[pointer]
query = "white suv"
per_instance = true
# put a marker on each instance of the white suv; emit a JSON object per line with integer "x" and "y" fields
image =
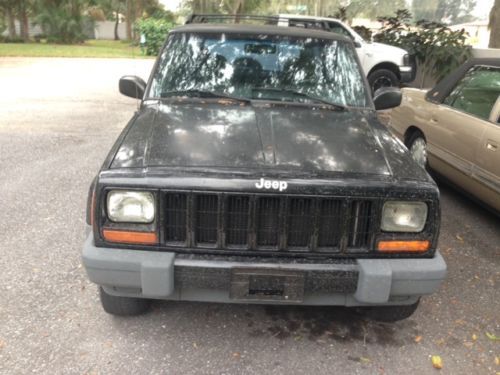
{"x": 384, "y": 65}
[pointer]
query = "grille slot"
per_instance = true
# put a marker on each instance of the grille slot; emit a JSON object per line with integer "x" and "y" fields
{"x": 206, "y": 219}
{"x": 300, "y": 222}
{"x": 359, "y": 224}
{"x": 258, "y": 222}
{"x": 330, "y": 224}
{"x": 267, "y": 218}
{"x": 176, "y": 217}
{"x": 237, "y": 220}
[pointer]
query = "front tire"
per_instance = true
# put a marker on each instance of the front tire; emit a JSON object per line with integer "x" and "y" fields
{"x": 123, "y": 306}
{"x": 389, "y": 314}
{"x": 382, "y": 78}
{"x": 417, "y": 145}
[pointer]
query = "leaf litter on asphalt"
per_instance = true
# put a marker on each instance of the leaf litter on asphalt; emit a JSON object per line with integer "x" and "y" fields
{"x": 437, "y": 362}
{"x": 492, "y": 337}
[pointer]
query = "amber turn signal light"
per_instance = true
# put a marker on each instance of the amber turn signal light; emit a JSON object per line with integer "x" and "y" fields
{"x": 145, "y": 238}
{"x": 403, "y": 246}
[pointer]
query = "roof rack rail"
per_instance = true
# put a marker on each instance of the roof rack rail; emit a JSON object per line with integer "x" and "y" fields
{"x": 206, "y": 18}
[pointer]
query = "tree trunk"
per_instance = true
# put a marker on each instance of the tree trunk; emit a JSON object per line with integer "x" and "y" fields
{"x": 238, "y": 8}
{"x": 117, "y": 19}
{"x": 139, "y": 9}
{"x": 24, "y": 22}
{"x": 130, "y": 19}
{"x": 11, "y": 20}
{"x": 494, "y": 25}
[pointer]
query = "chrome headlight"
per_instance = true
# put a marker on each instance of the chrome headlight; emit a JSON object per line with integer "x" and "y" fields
{"x": 401, "y": 216}
{"x": 131, "y": 206}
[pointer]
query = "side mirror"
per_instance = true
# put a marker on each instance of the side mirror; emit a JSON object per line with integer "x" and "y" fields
{"x": 387, "y": 97}
{"x": 132, "y": 86}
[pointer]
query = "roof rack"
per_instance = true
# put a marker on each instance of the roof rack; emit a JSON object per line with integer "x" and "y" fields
{"x": 206, "y": 18}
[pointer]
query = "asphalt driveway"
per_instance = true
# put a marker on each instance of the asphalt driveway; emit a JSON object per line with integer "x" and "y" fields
{"x": 58, "y": 119}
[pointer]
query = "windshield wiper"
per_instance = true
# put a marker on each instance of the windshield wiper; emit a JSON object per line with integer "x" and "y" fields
{"x": 201, "y": 94}
{"x": 302, "y": 95}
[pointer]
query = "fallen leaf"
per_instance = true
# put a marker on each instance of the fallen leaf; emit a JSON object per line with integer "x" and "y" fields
{"x": 474, "y": 337}
{"x": 437, "y": 362}
{"x": 497, "y": 361}
{"x": 468, "y": 344}
{"x": 418, "y": 339}
{"x": 491, "y": 336}
{"x": 2, "y": 344}
{"x": 236, "y": 355}
{"x": 365, "y": 359}
{"x": 440, "y": 342}
{"x": 297, "y": 338}
{"x": 459, "y": 238}
{"x": 195, "y": 345}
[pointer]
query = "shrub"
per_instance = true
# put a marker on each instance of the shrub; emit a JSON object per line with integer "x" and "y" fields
{"x": 8, "y": 39}
{"x": 61, "y": 24}
{"x": 437, "y": 49}
{"x": 364, "y": 31}
{"x": 154, "y": 32}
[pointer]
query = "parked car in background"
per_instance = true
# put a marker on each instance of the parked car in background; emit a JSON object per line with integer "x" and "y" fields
{"x": 454, "y": 130}
{"x": 384, "y": 65}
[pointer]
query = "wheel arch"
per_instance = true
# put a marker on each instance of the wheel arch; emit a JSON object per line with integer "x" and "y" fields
{"x": 412, "y": 129}
{"x": 386, "y": 65}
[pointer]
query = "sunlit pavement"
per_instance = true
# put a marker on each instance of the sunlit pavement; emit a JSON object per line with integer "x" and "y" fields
{"x": 58, "y": 119}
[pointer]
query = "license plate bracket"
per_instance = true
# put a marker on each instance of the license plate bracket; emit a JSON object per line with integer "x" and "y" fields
{"x": 260, "y": 284}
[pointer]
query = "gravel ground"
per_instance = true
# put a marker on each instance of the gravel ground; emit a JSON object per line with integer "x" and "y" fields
{"x": 58, "y": 119}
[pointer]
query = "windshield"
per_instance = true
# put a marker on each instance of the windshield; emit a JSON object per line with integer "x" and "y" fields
{"x": 267, "y": 67}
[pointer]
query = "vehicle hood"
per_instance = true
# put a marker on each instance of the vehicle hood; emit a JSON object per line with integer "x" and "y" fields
{"x": 277, "y": 137}
{"x": 386, "y": 49}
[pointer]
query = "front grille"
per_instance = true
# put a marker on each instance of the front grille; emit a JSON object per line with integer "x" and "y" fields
{"x": 206, "y": 219}
{"x": 261, "y": 223}
{"x": 237, "y": 220}
{"x": 176, "y": 217}
{"x": 267, "y": 221}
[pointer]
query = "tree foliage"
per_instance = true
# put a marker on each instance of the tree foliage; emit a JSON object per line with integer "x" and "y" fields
{"x": 446, "y": 11}
{"x": 10, "y": 10}
{"x": 62, "y": 20}
{"x": 350, "y": 8}
{"x": 437, "y": 48}
{"x": 494, "y": 25}
{"x": 154, "y": 31}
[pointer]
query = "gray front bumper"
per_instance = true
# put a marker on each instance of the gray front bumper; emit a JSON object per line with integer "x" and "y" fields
{"x": 149, "y": 274}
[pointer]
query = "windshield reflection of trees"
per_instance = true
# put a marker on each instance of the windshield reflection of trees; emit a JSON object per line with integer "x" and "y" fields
{"x": 237, "y": 64}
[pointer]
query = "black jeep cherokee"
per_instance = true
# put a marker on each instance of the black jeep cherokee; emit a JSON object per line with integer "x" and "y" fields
{"x": 256, "y": 171}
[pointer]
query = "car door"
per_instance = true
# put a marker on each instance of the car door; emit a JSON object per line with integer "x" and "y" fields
{"x": 487, "y": 165}
{"x": 457, "y": 125}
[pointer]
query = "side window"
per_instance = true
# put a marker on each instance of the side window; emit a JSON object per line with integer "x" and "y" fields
{"x": 477, "y": 92}
{"x": 306, "y": 24}
{"x": 339, "y": 29}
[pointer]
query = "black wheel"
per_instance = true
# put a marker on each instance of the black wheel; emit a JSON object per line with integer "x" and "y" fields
{"x": 382, "y": 78}
{"x": 417, "y": 145}
{"x": 123, "y": 306}
{"x": 389, "y": 313}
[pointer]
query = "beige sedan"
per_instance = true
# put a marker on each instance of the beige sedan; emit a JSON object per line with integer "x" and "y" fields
{"x": 454, "y": 130}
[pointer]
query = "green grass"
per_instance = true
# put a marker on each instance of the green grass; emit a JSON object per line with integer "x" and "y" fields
{"x": 91, "y": 48}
